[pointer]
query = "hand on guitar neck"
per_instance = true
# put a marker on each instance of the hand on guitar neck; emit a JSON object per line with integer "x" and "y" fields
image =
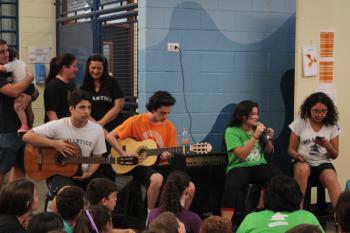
{"x": 166, "y": 155}
{"x": 132, "y": 154}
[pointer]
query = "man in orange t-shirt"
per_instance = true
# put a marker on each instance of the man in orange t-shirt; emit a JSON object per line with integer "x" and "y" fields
{"x": 155, "y": 125}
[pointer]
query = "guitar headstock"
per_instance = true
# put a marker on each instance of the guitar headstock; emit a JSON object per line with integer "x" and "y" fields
{"x": 201, "y": 148}
{"x": 127, "y": 160}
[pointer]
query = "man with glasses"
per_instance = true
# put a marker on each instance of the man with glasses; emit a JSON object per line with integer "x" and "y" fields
{"x": 11, "y": 145}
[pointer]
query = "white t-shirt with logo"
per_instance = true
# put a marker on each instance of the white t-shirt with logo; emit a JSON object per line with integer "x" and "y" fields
{"x": 90, "y": 138}
{"x": 314, "y": 154}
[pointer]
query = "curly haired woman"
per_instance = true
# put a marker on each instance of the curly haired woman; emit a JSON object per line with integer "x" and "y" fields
{"x": 172, "y": 199}
{"x": 314, "y": 141}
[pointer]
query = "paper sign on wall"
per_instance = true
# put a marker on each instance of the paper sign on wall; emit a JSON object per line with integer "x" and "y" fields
{"x": 310, "y": 60}
{"x": 39, "y": 55}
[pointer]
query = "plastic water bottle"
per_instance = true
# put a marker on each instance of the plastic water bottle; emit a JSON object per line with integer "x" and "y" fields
{"x": 185, "y": 141}
{"x": 185, "y": 138}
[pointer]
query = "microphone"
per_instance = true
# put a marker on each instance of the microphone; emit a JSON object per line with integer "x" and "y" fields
{"x": 264, "y": 136}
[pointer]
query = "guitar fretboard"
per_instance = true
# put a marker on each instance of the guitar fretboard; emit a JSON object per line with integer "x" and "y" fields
{"x": 80, "y": 159}
{"x": 179, "y": 149}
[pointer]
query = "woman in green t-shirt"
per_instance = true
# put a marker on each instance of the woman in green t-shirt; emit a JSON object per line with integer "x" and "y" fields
{"x": 246, "y": 141}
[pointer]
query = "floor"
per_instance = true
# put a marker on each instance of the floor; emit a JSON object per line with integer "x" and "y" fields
{"x": 42, "y": 190}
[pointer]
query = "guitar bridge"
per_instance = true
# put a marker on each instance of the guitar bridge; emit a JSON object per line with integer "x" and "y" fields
{"x": 39, "y": 160}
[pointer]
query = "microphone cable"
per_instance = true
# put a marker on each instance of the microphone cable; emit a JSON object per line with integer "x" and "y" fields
{"x": 184, "y": 95}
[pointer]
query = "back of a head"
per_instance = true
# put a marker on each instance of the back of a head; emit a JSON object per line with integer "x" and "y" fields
{"x": 342, "y": 211}
{"x": 45, "y": 222}
{"x": 98, "y": 189}
{"x": 53, "y": 70}
{"x": 16, "y": 197}
{"x": 282, "y": 194}
{"x": 159, "y": 99}
{"x": 94, "y": 219}
{"x": 70, "y": 201}
{"x": 216, "y": 224}
{"x": 166, "y": 222}
{"x": 305, "y": 228}
{"x": 13, "y": 54}
{"x": 173, "y": 189}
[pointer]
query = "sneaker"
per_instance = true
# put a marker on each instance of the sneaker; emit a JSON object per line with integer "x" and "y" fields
{"x": 23, "y": 129}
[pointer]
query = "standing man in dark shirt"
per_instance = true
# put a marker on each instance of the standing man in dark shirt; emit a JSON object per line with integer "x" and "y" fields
{"x": 11, "y": 144}
{"x": 58, "y": 89}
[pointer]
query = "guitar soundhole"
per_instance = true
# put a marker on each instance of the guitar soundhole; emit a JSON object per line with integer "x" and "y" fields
{"x": 60, "y": 160}
{"x": 142, "y": 153}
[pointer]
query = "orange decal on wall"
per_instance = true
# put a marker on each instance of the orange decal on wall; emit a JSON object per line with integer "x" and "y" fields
{"x": 326, "y": 64}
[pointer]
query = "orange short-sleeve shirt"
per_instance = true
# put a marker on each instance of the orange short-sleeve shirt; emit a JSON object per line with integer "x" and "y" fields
{"x": 140, "y": 127}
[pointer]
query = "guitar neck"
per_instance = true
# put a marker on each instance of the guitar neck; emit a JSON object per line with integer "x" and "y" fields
{"x": 89, "y": 160}
{"x": 179, "y": 149}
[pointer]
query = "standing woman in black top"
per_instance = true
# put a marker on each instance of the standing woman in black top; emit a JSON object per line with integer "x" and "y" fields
{"x": 59, "y": 86}
{"x": 53, "y": 69}
{"x": 107, "y": 97}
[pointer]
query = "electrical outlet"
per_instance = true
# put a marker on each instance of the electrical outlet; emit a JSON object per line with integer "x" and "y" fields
{"x": 173, "y": 47}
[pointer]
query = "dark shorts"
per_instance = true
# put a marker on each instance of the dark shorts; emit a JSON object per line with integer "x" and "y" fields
{"x": 56, "y": 182}
{"x": 237, "y": 180}
{"x": 11, "y": 152}
{"x": 316, "y": 171}
{"x": 143, "y": 174}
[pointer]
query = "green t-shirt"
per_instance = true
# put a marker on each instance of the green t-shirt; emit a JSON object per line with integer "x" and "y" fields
{"x": 68, "y": 228}
{"x": 276, "y": 222}
{"x": 236, "y": 137}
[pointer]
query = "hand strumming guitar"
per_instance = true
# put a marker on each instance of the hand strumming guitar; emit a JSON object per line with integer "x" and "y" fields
{"x": 65, "y": 147}
{"x": 133, "y": 154}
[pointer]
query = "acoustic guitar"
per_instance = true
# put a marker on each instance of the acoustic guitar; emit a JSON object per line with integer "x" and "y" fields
{"x": 148, "y": 151}
{"x": 42, "y": 162}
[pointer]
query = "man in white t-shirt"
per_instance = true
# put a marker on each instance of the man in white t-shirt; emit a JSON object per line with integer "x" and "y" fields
{"x": 61, "y": 134}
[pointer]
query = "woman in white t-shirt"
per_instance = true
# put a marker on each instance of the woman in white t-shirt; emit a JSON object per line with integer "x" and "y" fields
{"x": 314, "y": 141}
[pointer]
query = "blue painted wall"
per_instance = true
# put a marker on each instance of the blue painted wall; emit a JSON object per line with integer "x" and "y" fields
{"x": 232, "y": 50}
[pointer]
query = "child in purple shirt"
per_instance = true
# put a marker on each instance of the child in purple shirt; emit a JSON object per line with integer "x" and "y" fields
{"x": 172, "y": 199}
